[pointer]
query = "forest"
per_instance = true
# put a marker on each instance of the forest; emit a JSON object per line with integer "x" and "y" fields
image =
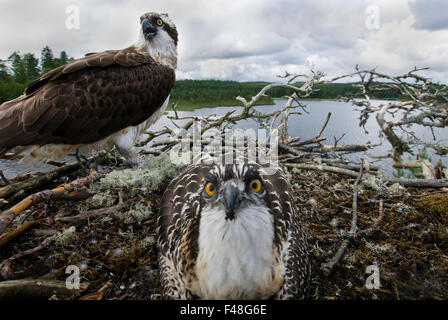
{"x": 18, "y": 70}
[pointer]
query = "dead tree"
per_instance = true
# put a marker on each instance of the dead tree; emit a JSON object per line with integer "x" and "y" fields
{"x": 421, "y": 103}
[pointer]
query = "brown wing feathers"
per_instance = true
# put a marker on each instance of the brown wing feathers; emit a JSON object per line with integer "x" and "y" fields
{"x": 86, "y": 100}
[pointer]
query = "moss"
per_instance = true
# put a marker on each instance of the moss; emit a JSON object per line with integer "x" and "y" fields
{"x": 434, "y": 204}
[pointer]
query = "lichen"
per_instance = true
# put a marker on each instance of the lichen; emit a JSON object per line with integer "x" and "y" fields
{"x": 138, "y": 213}
{"x": 66, "y": 237}
{"x": 103, "y": 199}
{"x": 147, "y": 242}
{"x": 377, "y": 248}
{"x": 147, "y": 177}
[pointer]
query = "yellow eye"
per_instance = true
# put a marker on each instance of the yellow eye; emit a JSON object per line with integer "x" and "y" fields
{"x": 159, "y": 22}
{"x": 210, "y": 188}
{"x": 255, "y": 185}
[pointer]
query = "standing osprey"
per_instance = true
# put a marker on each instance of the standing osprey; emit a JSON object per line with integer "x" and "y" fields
{"x": 231, "y": 232}
{"x": 104, "y": 99}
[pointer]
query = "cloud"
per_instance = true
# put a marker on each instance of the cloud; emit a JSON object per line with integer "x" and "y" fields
{"x": 245, "y": 39}
{"x": 430, "y": 15}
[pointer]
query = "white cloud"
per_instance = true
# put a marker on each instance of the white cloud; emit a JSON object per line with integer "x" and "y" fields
{"x": 245, "y": 39}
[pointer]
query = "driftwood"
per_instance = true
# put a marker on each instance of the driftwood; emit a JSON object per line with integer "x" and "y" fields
{"x": 38, "y": 289}
{"x": 6, "y": 217}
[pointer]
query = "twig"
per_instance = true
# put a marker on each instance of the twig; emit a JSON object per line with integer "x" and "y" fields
{"x": 328, "y": 267}
{"x": 3, "y": 178}
{"x": 21, "y": 254}
{"x": 6, "y": 217}
{"x": 36, "y": 182}
{"x": 418, "y": 183}
{"x": 7, "y": 237}
{"x": 378, "y": 220}
{"x": 82, "y": 218}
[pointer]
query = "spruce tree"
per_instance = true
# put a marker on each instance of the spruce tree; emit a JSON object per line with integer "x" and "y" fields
{"x": 47, "y": 62}
{"x": 18, "y": 67}
{"x": 31, "y": 64}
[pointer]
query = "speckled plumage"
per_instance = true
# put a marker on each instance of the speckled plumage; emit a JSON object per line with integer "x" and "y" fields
{"x": 188, "y": 264}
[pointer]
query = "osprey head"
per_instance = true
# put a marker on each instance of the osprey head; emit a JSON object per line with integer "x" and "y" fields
{"x": 159, "y": 37}
{"x": 232, "y": 189}
{"x": 156, "y": 26}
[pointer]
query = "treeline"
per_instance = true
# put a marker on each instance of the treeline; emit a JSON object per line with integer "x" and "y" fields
{"x": 20, "y": 69}
{"x": 199, "y": 93}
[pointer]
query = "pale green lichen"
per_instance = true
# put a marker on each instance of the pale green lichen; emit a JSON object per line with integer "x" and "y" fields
{"x": 396, "y": 189}
{"x": 147, "y": 242}
{"x": 66, "y": 237}
{"x": 138, "y": 213}
{"x": 375, "y": 183}
{"x": 103, "y": 199}
{"x": 149, "y": 176}
{"x": 377, "y": 248}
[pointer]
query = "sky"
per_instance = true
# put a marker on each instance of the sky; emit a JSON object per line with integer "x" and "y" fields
{"x": 245, "y": 40}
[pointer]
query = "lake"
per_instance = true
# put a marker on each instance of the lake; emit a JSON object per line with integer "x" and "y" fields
{"x": 344, "y": 119}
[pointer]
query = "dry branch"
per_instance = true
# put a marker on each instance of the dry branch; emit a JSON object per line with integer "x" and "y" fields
{"x": 418, "y": 183}
{"x": 328, "y": 266}
{"x": 39, "y": 181}
{"x": 7, "y": 237}
{"x": 84, "y": 217}
{"x": 21, "y": 254}
{"x": 6, "y": 217}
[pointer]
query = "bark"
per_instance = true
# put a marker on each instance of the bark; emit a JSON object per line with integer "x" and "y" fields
{"x": 38, "y": 289}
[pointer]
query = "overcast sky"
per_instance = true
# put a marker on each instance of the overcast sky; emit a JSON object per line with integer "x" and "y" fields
{"x": 247, "y": 39}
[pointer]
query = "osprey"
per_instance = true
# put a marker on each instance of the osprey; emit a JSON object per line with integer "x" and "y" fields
{"x": 104, "y": 99}
{"x": 232, "y": 232}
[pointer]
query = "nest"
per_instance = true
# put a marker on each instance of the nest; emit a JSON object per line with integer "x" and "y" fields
{"x": 110, "y": 236}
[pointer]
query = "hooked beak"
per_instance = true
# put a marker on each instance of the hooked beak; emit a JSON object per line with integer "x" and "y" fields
{"x": 230, "y": 199}
{"x": 149, "y": 30}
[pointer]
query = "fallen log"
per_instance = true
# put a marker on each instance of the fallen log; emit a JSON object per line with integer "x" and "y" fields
{"x": 38, "y": 289}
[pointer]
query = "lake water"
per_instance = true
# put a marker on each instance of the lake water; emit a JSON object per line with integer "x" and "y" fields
{"x": 344, "y": 120}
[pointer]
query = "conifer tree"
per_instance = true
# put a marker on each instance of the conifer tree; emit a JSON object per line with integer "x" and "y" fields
{"x": 18, "y": 67}
{"x": 47, "y": 62}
